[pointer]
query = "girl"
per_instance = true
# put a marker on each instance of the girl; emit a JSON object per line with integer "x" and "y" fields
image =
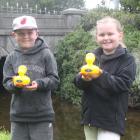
{"x": 105, "y": 97}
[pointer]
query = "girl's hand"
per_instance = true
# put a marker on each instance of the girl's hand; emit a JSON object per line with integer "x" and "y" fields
{"x": 86, "y": 77}
{"x": 89, "y": 77}
{"x": 94, "y": 76}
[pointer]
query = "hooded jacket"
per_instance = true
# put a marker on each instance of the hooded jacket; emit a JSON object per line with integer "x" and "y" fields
{"x": 105, "y": 99}
{"x": 32, "y": 106}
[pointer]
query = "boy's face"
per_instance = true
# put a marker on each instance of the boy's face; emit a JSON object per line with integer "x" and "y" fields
{"x": 25, "y": 37}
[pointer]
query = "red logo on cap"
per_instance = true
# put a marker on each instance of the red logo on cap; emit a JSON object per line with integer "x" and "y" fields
{"x": 23, "y": 21}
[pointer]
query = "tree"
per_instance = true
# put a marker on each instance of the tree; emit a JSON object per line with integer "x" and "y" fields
{"x": 130, "y": 5}
{"x": 50, "y": 5}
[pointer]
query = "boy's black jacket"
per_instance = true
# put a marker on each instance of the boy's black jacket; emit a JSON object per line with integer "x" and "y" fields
{"x": 105, "y": 99}
{"x": 32, "y": 106}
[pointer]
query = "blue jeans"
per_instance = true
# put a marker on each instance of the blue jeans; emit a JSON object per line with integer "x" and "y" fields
{"x": 31, "y": 131}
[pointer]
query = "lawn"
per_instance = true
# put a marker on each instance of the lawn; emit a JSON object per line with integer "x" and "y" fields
{"x": 4, "y": 135}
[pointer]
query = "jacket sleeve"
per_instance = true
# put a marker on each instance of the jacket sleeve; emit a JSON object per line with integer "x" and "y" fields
{"x": 8, "y": 74}
{"x": 51, "y": 81}
{"x": 120, "y": 82}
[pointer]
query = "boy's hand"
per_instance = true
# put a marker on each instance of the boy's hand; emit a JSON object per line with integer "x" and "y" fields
{"x": 33, "y": 86}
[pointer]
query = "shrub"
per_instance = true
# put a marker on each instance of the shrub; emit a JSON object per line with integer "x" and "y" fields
{"x": 132, "y": 37}
{"x": 70, "y": 57}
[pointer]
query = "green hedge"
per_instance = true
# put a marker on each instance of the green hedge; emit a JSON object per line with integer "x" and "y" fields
{"x": 70, "y": 56}
{"x": 70, "y": 51}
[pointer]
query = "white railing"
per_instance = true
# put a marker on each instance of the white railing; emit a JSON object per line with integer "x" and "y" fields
{"x": 26, "y": 9}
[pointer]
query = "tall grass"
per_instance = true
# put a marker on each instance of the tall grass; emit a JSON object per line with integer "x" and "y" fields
{"x": 4, "y": 135}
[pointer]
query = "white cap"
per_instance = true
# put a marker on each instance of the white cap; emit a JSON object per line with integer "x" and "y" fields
{"x": 24, "y": 22}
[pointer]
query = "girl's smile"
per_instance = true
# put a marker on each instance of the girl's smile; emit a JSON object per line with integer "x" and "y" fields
{"x": 108, "y": 37}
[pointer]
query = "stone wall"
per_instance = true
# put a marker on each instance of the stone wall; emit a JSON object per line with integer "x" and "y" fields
{"x": 51, "y": 27}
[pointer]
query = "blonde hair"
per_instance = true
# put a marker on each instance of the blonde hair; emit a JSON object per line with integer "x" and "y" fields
{"x": 113, "y": 20}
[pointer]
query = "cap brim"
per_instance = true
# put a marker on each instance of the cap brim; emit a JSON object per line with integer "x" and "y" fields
{"x": 26, "y": 27}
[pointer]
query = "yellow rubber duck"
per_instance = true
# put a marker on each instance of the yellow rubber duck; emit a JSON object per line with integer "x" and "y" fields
{"x": 90, "y": 68}
{"x": 22, "y": 79}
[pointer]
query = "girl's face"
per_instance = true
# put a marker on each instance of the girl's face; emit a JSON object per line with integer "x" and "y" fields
{"x": 108, "y": 37}
{"x": 26, "y": 37}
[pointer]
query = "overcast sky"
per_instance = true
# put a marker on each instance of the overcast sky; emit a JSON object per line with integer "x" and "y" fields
{"x": 91, "y": 3}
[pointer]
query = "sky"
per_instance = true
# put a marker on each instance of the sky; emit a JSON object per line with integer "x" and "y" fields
{"x": 90, "y": 4}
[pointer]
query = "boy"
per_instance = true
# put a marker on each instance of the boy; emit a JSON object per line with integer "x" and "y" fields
{"x": 31, "y": 111}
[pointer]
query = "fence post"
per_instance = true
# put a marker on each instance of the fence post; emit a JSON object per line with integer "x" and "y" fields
{"x": 73, "y": 16}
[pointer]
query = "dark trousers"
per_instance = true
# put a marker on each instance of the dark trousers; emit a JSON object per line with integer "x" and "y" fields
{"x": 31, "y": 131}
